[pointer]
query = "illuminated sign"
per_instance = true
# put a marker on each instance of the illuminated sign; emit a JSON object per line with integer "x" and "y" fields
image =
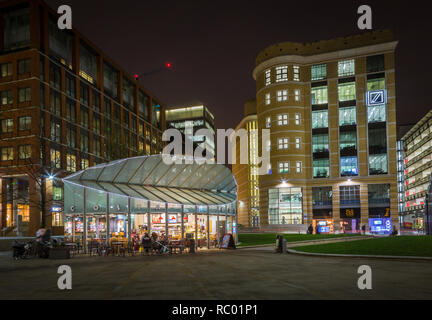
{"x": 376, "y": 97}
{"x": 56, "y": 209}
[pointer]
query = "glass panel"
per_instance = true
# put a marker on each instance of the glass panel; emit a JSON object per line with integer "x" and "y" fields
{"x": 195, "y": 180}
{"x": 347, "y": 91}
{"x": 190, "y": 198}
{"x": 319, "y": 95}
{"x": 129, "y": 169}
{"x": 347, "y": 116}
{"x": 171, "y": 174}
{"x": 150, "y": 164}
{"x": 321, "y": 168}
{"x": 319, "y": 119}
{"x": 160, "y": 195}
{"x": 145, "y": 193}
{"x": 174, "y": 195}
{"x": 377, "y": 113}
{"x": 348, "y": 166}
{"x": 198, "y": 196}
{"x": 156, "y": 173}
{"x": 75, "y": 198}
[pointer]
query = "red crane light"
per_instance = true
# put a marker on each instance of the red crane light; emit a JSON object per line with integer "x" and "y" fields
{"x": 136, "y": 77}
{"x": 168, "y": 65}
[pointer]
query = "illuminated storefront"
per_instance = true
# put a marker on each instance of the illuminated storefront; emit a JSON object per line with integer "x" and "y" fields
{"x": 133, "y": 196}
{"x": 285, "y": 206}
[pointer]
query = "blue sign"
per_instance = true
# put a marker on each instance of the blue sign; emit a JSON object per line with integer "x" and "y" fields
{"x": 324, "y": 229}
{"x": 376, "y": 97}
{"x": 380, "y": 225}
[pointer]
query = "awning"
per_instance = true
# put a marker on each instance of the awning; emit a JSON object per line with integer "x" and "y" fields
{"x": 150, "y": 178}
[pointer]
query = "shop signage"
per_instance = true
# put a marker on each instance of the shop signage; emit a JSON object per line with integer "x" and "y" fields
{"x": 56, "y": 209}
{"x": 228, "y": 242}
{"x": 376, "y": 97}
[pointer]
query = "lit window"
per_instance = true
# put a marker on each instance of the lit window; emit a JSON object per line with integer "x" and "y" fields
{"x": 319, "y": 95}
{"x": 281, "y": 74}
{"x": 297, "y": 143}
{"x": 347, "y": 116}
{"x": 24, "y": 94}
{"x": 346, "y": 68}
{"x": 320, "y": 119}
{"x": 298, "y": 166}
{"x": 55, "y": 159}
{"x": 268, "y": 77}
{"x": 6, "y": 97}
{"x": 282, "y": 120}
{"x": 296, "y": 73}
{"x": 57, "y": 193}
{"x": 376, "y": 84}
{"x": 70, "y": 163}
{"x": 348, "y": 166}
{"x": 84, "y": 164}
{"x": 319, "y": 72}
{"x": 297, "y": 94}
{"x": 267, "y": 98}
{"x": 24, "y": 152}
{"x": 377, "y": 113}
{"x": 5, "y": 69}
{"x": 347, "y": 91}
{"x": 297, "y": 119}
{"x": 283, "y": 143}
{"x": 24, "y": 123}
{"x": 6, "y": 153}
{"x": 282, "y": 95}
{"x": 284, "y": 167}
{"x": 268, "y": 122}
{"x": 7, "y": 126}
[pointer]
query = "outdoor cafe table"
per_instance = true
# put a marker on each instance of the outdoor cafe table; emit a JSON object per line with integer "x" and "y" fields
{"x": 116, "y": 246}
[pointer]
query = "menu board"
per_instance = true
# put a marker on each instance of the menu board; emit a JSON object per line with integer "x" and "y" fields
{"x": 227, "y": 242}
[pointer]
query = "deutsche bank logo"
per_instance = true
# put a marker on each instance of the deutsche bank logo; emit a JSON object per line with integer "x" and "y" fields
{"x": 376, "y": 97}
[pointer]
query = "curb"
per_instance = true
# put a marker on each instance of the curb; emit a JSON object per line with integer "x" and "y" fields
{"x": 340, "y": 239}
{"x": 358, "y": 256}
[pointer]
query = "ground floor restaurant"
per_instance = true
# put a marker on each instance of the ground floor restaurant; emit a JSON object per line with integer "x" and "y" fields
{"x": 129, "y": 198}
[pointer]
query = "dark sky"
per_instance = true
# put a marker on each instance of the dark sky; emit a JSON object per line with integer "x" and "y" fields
{"x": 213, "y": 44}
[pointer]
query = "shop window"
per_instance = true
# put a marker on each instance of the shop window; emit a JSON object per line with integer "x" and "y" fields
{"x": 319, "y": 95}
{"x": 346, "y": 68}
{"x": 347, "y": 116}
{"x": 319, "y": 119}
{"x": 285, "y": 206}
{"x": 347, "y": 91}
{"x": 319, "y": 72}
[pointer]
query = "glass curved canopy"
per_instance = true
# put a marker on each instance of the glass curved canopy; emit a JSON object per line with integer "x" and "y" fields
{"x": 150, "y": 178}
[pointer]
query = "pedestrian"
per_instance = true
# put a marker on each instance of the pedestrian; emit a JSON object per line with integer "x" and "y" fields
{"x": 310, "y": 229}
{"x": 146, "y": 243}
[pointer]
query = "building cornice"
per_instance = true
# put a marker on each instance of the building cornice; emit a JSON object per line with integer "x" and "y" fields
{"x": 334, "y": 55}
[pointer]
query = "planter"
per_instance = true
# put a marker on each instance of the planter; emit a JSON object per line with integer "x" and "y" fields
{"x": 59, "y": 253}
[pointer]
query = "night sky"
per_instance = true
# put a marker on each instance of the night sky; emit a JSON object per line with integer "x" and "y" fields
{"x": 213, "y": 44}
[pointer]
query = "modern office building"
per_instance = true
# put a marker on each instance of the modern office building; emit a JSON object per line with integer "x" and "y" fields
{"x": 417, "y": 145}
{"x": 247, "y": 174}
{"x": 189, "y": 120}
{"x": 65, "y": 106}
{"x": 331, "y": 109}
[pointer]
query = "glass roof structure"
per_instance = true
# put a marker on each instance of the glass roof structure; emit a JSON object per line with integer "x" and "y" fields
{"x": 150, "y": 178}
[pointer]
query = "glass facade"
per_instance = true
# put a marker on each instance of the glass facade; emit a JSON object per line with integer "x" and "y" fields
{"x": 319, "y": 95}
{"x": 285, "y": 206}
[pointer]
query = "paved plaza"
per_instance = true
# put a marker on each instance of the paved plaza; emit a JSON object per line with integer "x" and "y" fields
{"x": 223, "y": 275}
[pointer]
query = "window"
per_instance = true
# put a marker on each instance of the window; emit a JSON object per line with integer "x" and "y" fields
{"x": 70, "y": 163}
{"x": 349, "y": 195}
{"x": 143, "y": 103}
{"x": 378, "y": 164}
{"x": 346, "y": 68}
{"x": 297, "y": 143}
{"x": 347, "y": 116}
{"x": 267, "y": 77}
{"x": 55, "y": 102}
{"x": 348, "y": 141}
{"x": 282, "y": 95}
{"x": 282, "y": 120}
{"x": 23, "y": 66}
{"x": 319, "y": 119}
{"x": 55, "y": 76}
{"x": 378, "y": 194}
{"x": 55, "y": 156}
{"x": 70, "y": 85}
{"x": 110, "y": 80}
{"x": 347, "y": 91}
{"x": 348, "y": 166}
{"x": 70, "y": 110}
{"x": 284, "y": 167}
{"x": 268, "y": 122}
{"x": 321, "y": 168}
{"x": 7, "y": 125}
{"x": 375, "y": 63}
{"x": 88, "y": 63}
{"x": 84, "y": 142}
{"x": 24, "y": 123}
{"x": 377, "y": 140}
{"x": 282, "y": 74}
{"x": 96, "y": 124}
{"x": 6, "y": 97}
{"x": 84, "y": 117}
{"x": 84, "y": 163}
{"x": 296, "y": 70}
{"x": 84, "y": 93}
{"x": 128, "y": 93}
{"x": 319, "y": 72}
{"x": 298, "y": 166}
{"x": 320, "y": 143}
{"x": 57, "y": 193}
{"x": 297, "y": 119}
{"x": 377, "y": 113}
{"x": 24, "y": 94}
{"x": 376, "y": 84}
{"x": 319, "y": 95}
{"x": 71, "y": 137}
{"x": 96, "y": 101}
{"x": 283, "y": 143}
{"x": 42, "y": 96}
{"x": 297, "y": 94}
{"x": 5, "y": 69}
{"x": 55, "y": 131}
{"x": 16, "y": 25}
{"x": 97, "y": 146}
{"x": 267, "y": 99}
{"x": 60, "y": 43}
{"x": 24, "y": 152}
{"x": 6, "y": 153}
